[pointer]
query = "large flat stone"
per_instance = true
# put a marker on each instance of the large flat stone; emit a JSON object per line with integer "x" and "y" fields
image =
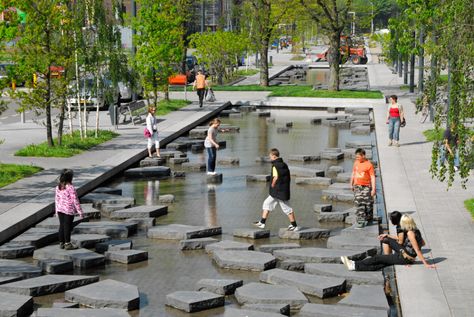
{"x": 368, "y": 296}
{"x": 194, "y": 166}
{"x": 80, "y": 312}
{"x": 12, "y": 305}
{"x": 251, "y": 233}
{"x": 219, "y": 286}
{"x": 322, "y": 207}
{"x": 9, "y": 279}
{"x": 146, "y": 172}
{"x": 353, "y": 241}
{"x": 333, "y": 216}
{"x": 229, "y": 245}
{"x": 113, "y": 245}
{"x": 90, "y": 212}
{"x": 338, "y": 195}
{"x": 80, "y": 257}
{"x": 182, "y": 232}
{"x": 303, "y": 158}
{"x": 152, "y": 161}
{"x": 270, "y": 248}
{"x": 319, "y": 181}
{"x": 358, "y": 144}
{"x": 304, "y": 233}
{"x": 191, "y": 301}
{"x": 170, "y": 153}
{"x": 37, "y": 237}
{"x": 53, "y": 222}
{"x": 88, "y": 240}
{"x": 99, "y": 199}
{"x": 106, "y": 209}
{"x": 371, "y": 231}
{"x": 215, "y": 178}
{"x": 126, "y": 256}
{"x": 339, "y": 270}
{"x": 166, "y": 199}
{"x": 108, "y": 190}
{"x": 110, "y": 228}
{"x": 56, "y": 266}
{"x": 118, "y": 295}
{"x": 196, "y": 244}
{"x": 319, "y": 255}
{"x": 47, "y": 284}
{"x": 178, "y": 160}
{"x": 235, "y": 312}
{"x": 258, "y": 178}
{"x": 360, "y": 130}
{"x": 320, "y": 286}
{"x": 13, "y": 250}
{"x": 65, "y": 305}
{"x": 333, "y": 171}
{"x": 142, "y": 223}
{"x": 18, "y": 268}
{"x": 140, "y": 212}
{"x": 305, "y": 171}
{"x": 291, "y": 265}
{"x": 259, "y": 293}
{"x": 322, "y": 310}
{"x": 331, "y": 155}
{"x": 244, "y": 260}
{"x": 343, "y": 177}
{"x": 282, "y": 309}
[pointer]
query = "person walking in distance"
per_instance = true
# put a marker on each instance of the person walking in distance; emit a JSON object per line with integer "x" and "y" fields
{"x": 153, "y": 132}
{"x": 395, "y": 117}
{"x": 211, "y": 145}
{"x": 279, "y": 192}
{"x": 363, "y": 186}
{"x": 200, "y": 84}
{"x": 449, "y": 145}
{"x": 66, "y": 205}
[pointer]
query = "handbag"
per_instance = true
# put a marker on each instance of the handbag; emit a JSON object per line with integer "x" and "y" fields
{"x": 146, "y": 133}
{"x": 210, "y": 95}
{"x": 403, "y": 123}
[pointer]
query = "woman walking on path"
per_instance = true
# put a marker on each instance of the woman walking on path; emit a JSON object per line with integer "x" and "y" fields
{"x": 200, "y": 84}
{"x": 395, "y": 117}
{"x": 66, "y": 205}
{"x": 211, "y": 145}
{"x": 152, "y": 132}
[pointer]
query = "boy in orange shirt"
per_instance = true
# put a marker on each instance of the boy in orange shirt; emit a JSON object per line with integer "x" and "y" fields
{"x": 363, "y": 186}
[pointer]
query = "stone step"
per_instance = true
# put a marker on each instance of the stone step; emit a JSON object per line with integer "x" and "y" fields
{"x": 324, "y": 310}
{"x": 110, "y": 228}
{"x": 330, "y": 155}
{"x": 244, "y": 260}
{"x": 333, "y": 216}
{"x": 322, "y": 208}
{"x": 359, "y": 144}
{"x": 320, "y": 181}
{"x": 333, "y": 171}
{"x": 11, "y": 250}
{"x": 196, "y": 244}
{"x": 338, "y": 195}
{"x": 166, "y": 199}
{"x": 88, "y": 241}
{"x": 90, "y": 212}
{"x": 82, "y": 258}
{"x": 178, "y": 160}
{"x": 219, "y": 286}
{"x": 98, "y": 199}
{"x": 192, "y": 301}
{"x": 291, "y": 265}
{"x": 194, "y": 166}
{"x": 152, "y": 161}
{"x": 371, "y": 231}
{"x": 282, "y": 309}
{"x": 305, "y": 171}
{"x": 367, "y": 296}
{"x": 243, "y": 312}
{"x": 320, "y": 255}
{"x": 259, "y": 293}
{"x": 147, "y": 172}
{"x": 303, "y": 158}
{"x": 126, "y": 256}
{"x": 228, "y": 160}
{"x": 65, "y": 305}
{"x": 182, "y": 232}
{"x": 166, "y": 154}
{"x": 37, "y": 237}
{"x": 47, "y": 284}
{"x": 18, "y": 268}
{"x": 140, "y": 212}
{"x": 251, "y": 233}
{"x": 106, "y": 209}
{"x": 215, "y": 178}
{"x": 15, "y": 305}
{"x": 118, "y": 295}
{"x": 304, "y": 233}
{"x": 270, "y": 248}
{"x": 360, "y": 130}
{"x": 56, "y": 266}
{"x": 113, "y": 245}
{"x": 339, "y": 270}
{"x": 343, "y": 177}
{"x": 80, "y": 312}
{"x": 108, "y": 190}
{"x": 9, "y": 279}
{"x": 53, "y": 222}
{"x": 228, "y": 245}
{"x": 142, "y": 223}
{"x": 353, "y": 241}
{"x": 258, "y": 178}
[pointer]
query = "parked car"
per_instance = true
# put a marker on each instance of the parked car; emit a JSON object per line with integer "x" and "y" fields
{"x": 89, "y": 95}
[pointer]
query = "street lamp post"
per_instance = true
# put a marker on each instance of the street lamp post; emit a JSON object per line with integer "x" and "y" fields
{"x": 353, "y": 22}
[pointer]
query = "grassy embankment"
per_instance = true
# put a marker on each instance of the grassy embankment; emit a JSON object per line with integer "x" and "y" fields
{"x": 10, "y": 173}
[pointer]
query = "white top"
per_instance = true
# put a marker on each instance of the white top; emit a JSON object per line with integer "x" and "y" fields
{"x": 151, "y": 123}
{"x": 213, "y": 133}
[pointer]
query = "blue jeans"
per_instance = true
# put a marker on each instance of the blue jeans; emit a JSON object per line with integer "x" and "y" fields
{"x": 442, "y": 156}
{"x": 393, "y": 128}
{"x": 211, "y": 158}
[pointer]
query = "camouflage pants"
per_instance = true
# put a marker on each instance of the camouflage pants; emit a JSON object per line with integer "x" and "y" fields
{"x": 364, "y": 203}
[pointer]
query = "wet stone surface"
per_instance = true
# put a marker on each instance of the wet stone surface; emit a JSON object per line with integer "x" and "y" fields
{"x": 106, "y": 209}
{"x": 291, "y": 265}
{"x": 244, "y": 260}
{"x": 311, "y": 310}
{"x": 143, "y": 172}
{"x": 319, "y": 255}
{"x": 196, "y": 244}
{"x": 80, "y": 312}
{"x": 15, "y": 305}
{"x": 339, "y": 270}
{"x": 282, "y": 309}
{"x": 191, "y": 301}
{"x": 126, "y": 256}
{"x": 251, "y": 233}
{"x": 37, "y": 237}
{"x": 304, "y": 233}
{"x": 113, "y": 245}
{"x": 13, "y": 250}
{"x": 194, "y": 166}
{"x": 152, "y": 161}
{"x": 219, "y": 286}
{"x": 214, "y": 179}
{"x": 9, "y": 279}
{"x": 333, "y": 216}
{"x": 56, "y": 266}
{"x": 90, "y": 212}
{"x": 270, "y": 248}
{"x": 65, "y": 305}
{"x": 368, "y": 296}
{"x": 109, "y": 228}
{"x": 249, "y": 312}
{"x": 80, "y": 257}
{"x": 18, "y": 268}
{"x": 142, "y": 223}
{"x": 98, "y": 199}
{"x": 182, "y": 232}
{"x": 140, "y": 212}
{"x": 88, "y": 240}
{"x": 228, "y": 245}
{"x": 53, "y": 223}
{"x": 166, "y": 199}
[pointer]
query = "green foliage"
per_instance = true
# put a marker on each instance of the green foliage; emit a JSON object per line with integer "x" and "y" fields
{"x": 166, "y": 106}
{"x": 10, "y": 173}
{"x": 433, "y": 135}
{"x": 72, "y": 145}
{"x": 248, "y": 72}
{"x": 469, "y": 204}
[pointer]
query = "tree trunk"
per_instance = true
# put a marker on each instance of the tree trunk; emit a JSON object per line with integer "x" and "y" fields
{"x": 61, "y": 121}
{"x": 412, "y": 73}
{"x": 400, "y": 65}
{"x": 421, "y": 62}
{"x": 264, "y": 78}
{"x": 334, "y": 57}
{"x": 405, "y": 70}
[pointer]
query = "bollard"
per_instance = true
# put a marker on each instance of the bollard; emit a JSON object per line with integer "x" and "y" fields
{"x": 271, "y": 60}
{"x": 22, "y": 117}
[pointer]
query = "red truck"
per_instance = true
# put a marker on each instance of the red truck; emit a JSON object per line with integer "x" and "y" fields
{"x": 356, "y": 54}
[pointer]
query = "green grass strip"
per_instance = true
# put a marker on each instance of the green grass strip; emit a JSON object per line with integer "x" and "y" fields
{"x": 71, "y": 146}
{"x": 470, "y": 206}
{"x": 165, "y": 107}
{"x": 10, "y": 173}
{"x": 248, "y": 72}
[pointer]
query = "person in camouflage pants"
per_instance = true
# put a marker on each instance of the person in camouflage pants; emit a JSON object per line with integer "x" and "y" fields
{"x": 364, "y": 203}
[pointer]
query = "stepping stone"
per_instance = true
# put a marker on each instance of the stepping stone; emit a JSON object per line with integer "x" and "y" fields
{"x": 37, "y": 237}
{"x": 140, "y": 212}
{"x": 330, "y": 155}
{"x": 339, "y": 270}
{"x": 289, "y": 124}
{"x": 82, "y": 258}
{"x": 166, "y": 154}
{"x": 147, "y": 172}
{"x": 333, "y": 216}
{"x": 270, "y": 248}
{"x": 18, "y": 268}
{"x": 303, "y": 158}
{"x": 182, "y": 232}
{"x": 281, "y": 309}
{"x": 341, "y": 124}
{"x": 106, "y": 209}
{"x": 324, "y": 310}
{"x": 88, "y": 240}
{"x": 15, "y": 305}
{"x": 360, "y": 130}
{"x": 118, "y": 295}
{"x": 234, "y": 312}
{"x": 337, "y": 195}
{"x": 109, "y": 228}
{"x": 65, "y": 305}
{"x": 177, "y": 146}
{"x": 358, "y": 144}
{"x": 53, "y": 222}
{"x": 194, "y": 166}
{"x": 305, "y": 172}
{"x": 251, "y": 233}
{"x": 367, "y": 296}
{"x": 353, "y": 241}
{"x": 219, "y": 286}
{"x": 98, "y": 199}
{"x": 196, "y": 148}
{"x": 228, "y": 161}
{"x": 113, "y": 245}
{"x": 244, "y": 260}
{"x": 191, "y": 301}
{"x": 360, "y": 111}
{"x": 126, "y": 256}
{"x": 263, "y": 159}
{"x": 47, "y": 284}
{"x": 178, "y": 160}
{"x": 304, "y": 233}
{"x": 343, "y": 177}
{"x": 56, "y": 266}
{"x": 371, "y": 231}
{"x": 108, "y": 190}
{"x": 80, "y": 312}
{"x": 320, "y": 181}
{"x": 90, "y": 212}
{"x": 166, "y": 199}
{"x": 259, "y": 293}
{"x": 341, "y": 186}
{"x": 263, "y": 113}
{"x": 333, "y": 171}
{"x": 11, "y": 250}
{"x": 322, "y": 208}
{"x": 283, "y": 130}
{"x": 316, "y": 121}
{"x": 258, "y": 178}
{"x": 196, "y": 244}
{"x": 319, "y": 255}
{"x": 214, "y": 179}
{"x": 228, "y": 245}
{"x": 320, "y": 286}
{"x": 142, "y": 223}
{"x": 198, "y": 133}
{"x": 291, "y": 265}
{"x": 152, "y": 161}
{"x": 178, "y": 174}
{"x": 9, "y": 279}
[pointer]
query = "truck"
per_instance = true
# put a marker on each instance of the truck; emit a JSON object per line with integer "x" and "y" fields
{"x": 354, "y": 53}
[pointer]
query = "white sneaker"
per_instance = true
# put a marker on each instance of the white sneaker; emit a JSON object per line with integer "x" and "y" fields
{"x": 293, "y": 228}
{"x": 395, "y": 143}
{"x": 456, "y": 168}
{"x": 259, "y": 224}
{"x": 390, "y": 143}
{"x": 350, "y": 265}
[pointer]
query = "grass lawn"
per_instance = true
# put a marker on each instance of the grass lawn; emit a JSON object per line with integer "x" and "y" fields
{"x": 470, "y": 206}
{"x": 71, "y": 146}
{"x": 10, "y": 173}
{"x": 248, "y": 72}
{"x": 165, "y": 107}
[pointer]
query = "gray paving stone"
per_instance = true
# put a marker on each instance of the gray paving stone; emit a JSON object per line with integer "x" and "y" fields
{"x": 142, "y": 223}
{"x": 9, "y": 279}
{"x": 37, "y": 237}
{"x": 228, "y": 245}
{"x": 333, "y": 216}
{"x": 118, "y": 295}
{"x": 282, "y": 309}
{"x": 251, "y": 233}
{"x": 235, "y": 115}
{"x": 321, "y": 181}
{"x": 258, "y": 178}
{"x": 226, "y": 160}
{"x": 283, "y": 130}
{"x": 178, "y": 160}
{"x": 263, "y": 159}
{"x": 324, "y": 310}
{"x": 333, "y": 171}
{"x": 219, "y": 286}
{"x": 53, "y": 222}
{"x": 330, "y": 155}
{"x": 341, "y": 186}
{"x": 196, "y": 148}
{"x": 152, "y": 161}
{"x": 291, "y": 265}
{"x": 178, "y": 174}
{"x": 90, "y": 212}
{"x": 82, "y": 258}
{"x": 320, "y": 286}
{"x": 47, "y": 284}
{"x": 198, "y": 133}
{"x": 304, "y": 233}
{"x": 110, "y": 228}
{"x": 65, "y": 305}
{"x": 18, "y": 268}
{"x": 259, "y": 293}
{"x": 270, "y": 248}
{"x": 113, "y": 245}
{"x": 12, "y": 305}
{"x": 106, "y": 209}
{"x": 369, "y": 296}
{"x": 166, "y": 199}
{"x": 360, "y": 130}
{"x": 244, "y": 260}
{"x": 305, "y": 171}
{"x": 316, "y": 121}
{"x": 182, "y": 232}
{"x": 371, "y": 231}
{"x": 191, "y": 301}
{"x": 339, "y": 270}
{"x": 13, "y": 250}
{"x": 98, "y": 199}
{"x": 170, "y": 153}
{"x": 214, "y": 179}
{"x": 80, "y": 312}
{"x": 177, "y": 146}
{"x": 146, "y": 172}
{"x": 126, "y": 256}
{"x": 140, "y": 212}
{"x": 56, "y": 266}
{"x": 196, "y": 244}
{"x": 194, "y": 166}
{"x": 108, "y": 190}
{"x": 303, "y": 158}
{"x": 322, "y": 208}
{"x": 319, "y": 255}
{"x": 235, "y": 312}
{"x": 289, "y": 124}
{"x": 337, "y": 195}
{"x": 358, "y": 144}
{"x": 353, "y": 241}
{"x": 341, "y": 124}
{"x": 88, "y": 240}
{"x": 343, "y": 177}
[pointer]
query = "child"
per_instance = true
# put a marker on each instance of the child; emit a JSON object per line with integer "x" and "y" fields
{"x": 66, "y": 204}
{"x": 153, "y": 132}
{"x": 279, "y": 192}
{"x": 386, "y": 239}
{"x": 211, "y": 145}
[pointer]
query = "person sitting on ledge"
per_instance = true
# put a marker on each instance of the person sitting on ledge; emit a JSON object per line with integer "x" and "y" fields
{"x": 395, "y": 217}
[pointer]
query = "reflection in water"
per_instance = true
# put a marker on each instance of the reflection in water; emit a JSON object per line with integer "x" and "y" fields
{"x": 333, "y": 136}
{"x": 210, "y": 207}
{"x": 151, "y": 191}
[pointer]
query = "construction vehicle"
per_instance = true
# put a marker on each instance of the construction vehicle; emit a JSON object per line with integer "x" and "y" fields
{"x": 349, "y": 52}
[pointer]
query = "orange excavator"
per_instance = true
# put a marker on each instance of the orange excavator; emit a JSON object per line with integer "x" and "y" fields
{"x": 355, "y": 54}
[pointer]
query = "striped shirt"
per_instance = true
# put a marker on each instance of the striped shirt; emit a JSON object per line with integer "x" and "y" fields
{"x": 67, "y": 202}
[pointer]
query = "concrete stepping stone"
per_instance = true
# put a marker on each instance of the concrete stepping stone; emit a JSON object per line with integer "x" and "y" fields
{"x": 353, "y": 241}
{"x": 37, "y": 237}
{"x": 228, "y": 245}
{"x": 333, "y": 171}
{"x": 15, "y": 305}
{"x": 303, "y": 158}
{"x": 281, "y": 309}
{"x": 333, "y": 216}
{"x": 18, "y": 268}
{"x": 177, "y": 146}
{"x": 360, "y": 130}
{"x": 80, "y": 312}
{"x": 178, "y": 160}
{"x": 337, "y": 195}
{"x": 320, "y": 181}
{"x": 258, "y": 178}
{"x": 11, "y": 250}
{"x": 88, "y": 240}
{"x": 194, "y": 166}
{"x": 140, "y": 212}
{"x": 196, "y": 148}
{"x": 106, "y": 209}
{"x": 192, "y": 301}
{"x": 322, "y": 208}
{"x": 291, "y": 265}
{"x": 341, "y": 186}
{"x": 341, "y": 124}
{"x": 228, "y": 160}
{"x": 142, "y": 223}
{"x": 118, "y": 295}
{"x": 263, "y": 113}
{"x": 305, "y": 171}
{"x": 219, "y": 286}
{"x": 304, "y": 233}
{"x": 108, "y": 190}
{"x": 214, "y": 179}
{"x": 324, "y": 310}
{"x": 53, "y": 223}
{"x": 146, "y": 172}
{"x": 99, "y": 199}
{"x": 152, "y": 161}
{"x": 320, "y": 286}
{"x": 198, "y": 133}
{"x": 251, "y": 233}
{"x": 243, "y": 312}
{"x": 126, "y": 256}
{"x": 259, "y": 293}
{"x": 110, "y": 228}
{"x": 331, "y": 155}
{"x": 244, "y": 260}
{"x": 339, "y": 270}
{"x": 113, "y": 245}
{"x": 166, "y": 154}
{"x": 196, "y": 244}
{"x": 56, "y": 266}
{"x": 343, "y": 177}
{"x": 368, "y": 296}
{"x": 319, "y": 255}
{"x": 82, "y": 258}
{"x": 65, "y": 305}
{"x": 90, "y": 212}
{"x": 371, "y": 231}
{"x": 166, "y": 199}
{"x": 47, "y": 284}
{"x": 182, "y": 232}
{"x": 263, "y": 159}
{"x": 235, "y": 115}
{"x": 289, "y": 124}
{"x": 9, "y": 279}
{"x": 316, "y": 121}
{"x": 270, "y": 248}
